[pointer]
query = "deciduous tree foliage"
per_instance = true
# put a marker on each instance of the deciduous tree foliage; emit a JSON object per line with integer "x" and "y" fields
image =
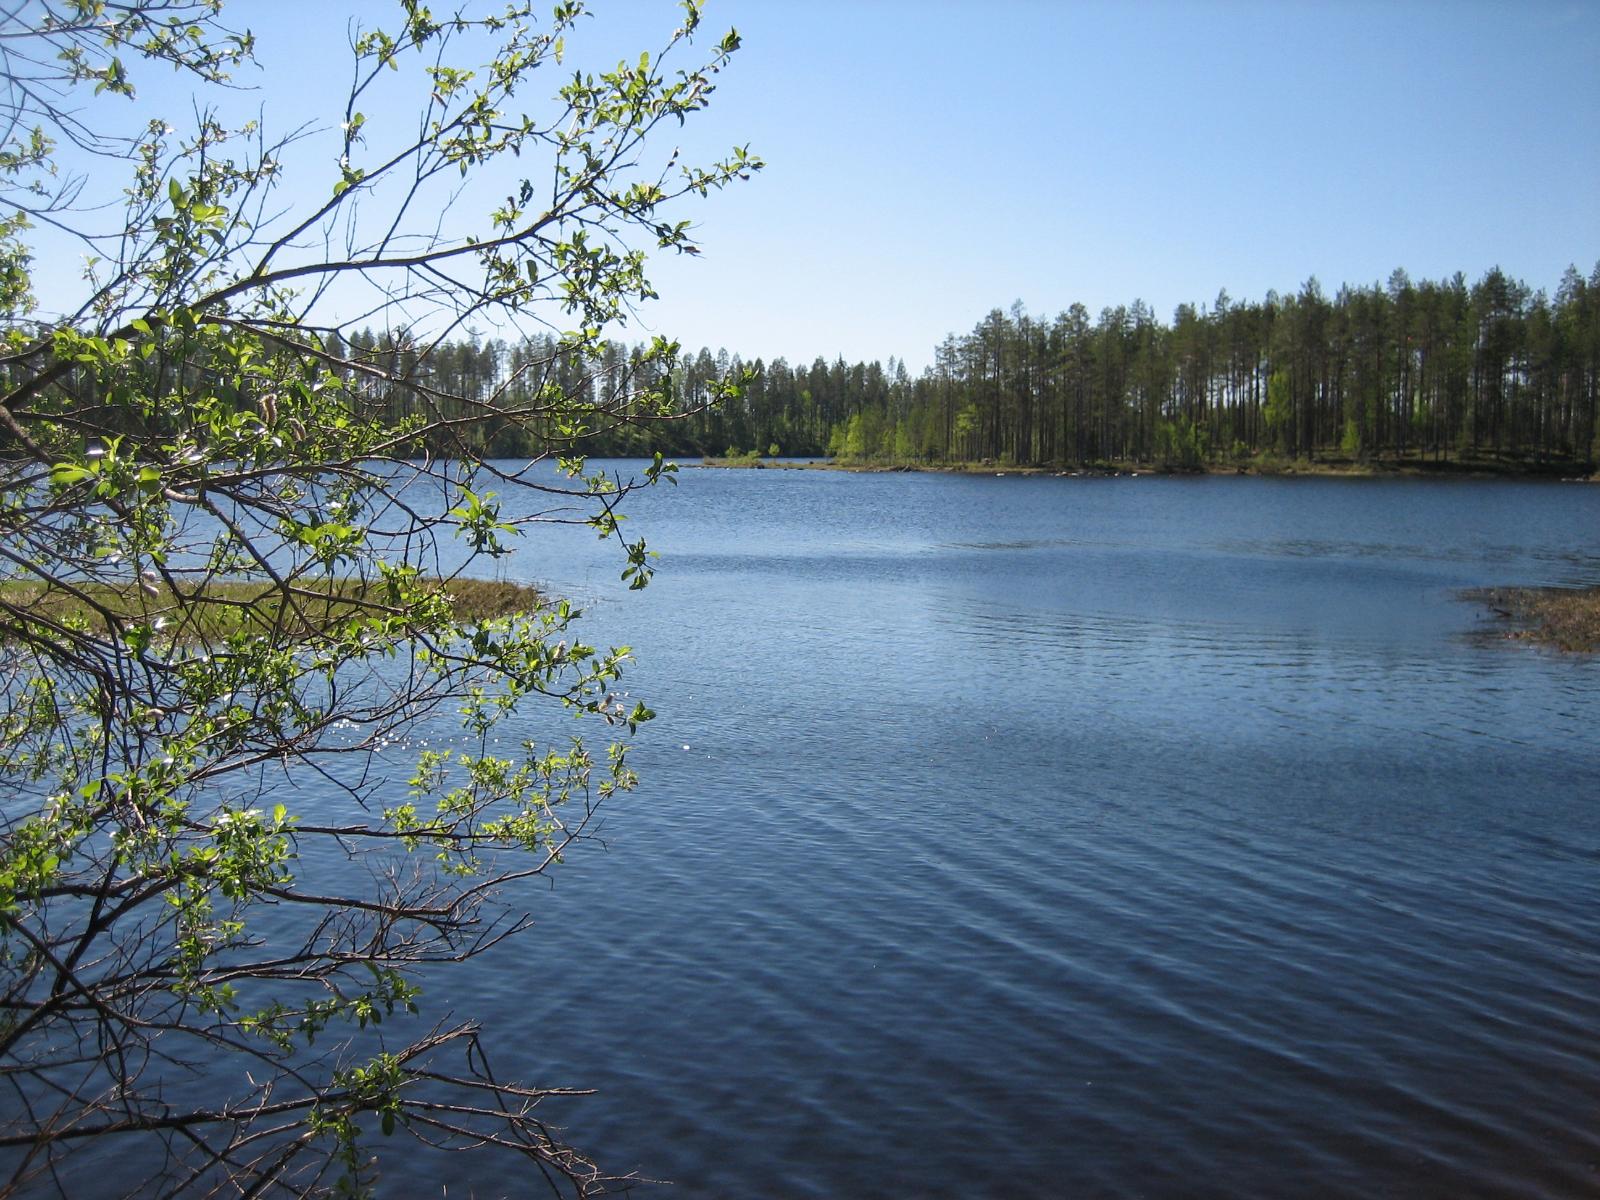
{"x": 219, "y": 512}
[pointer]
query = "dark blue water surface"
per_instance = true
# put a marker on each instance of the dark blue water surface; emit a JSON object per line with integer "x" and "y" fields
{"x": 1076, "y": 837}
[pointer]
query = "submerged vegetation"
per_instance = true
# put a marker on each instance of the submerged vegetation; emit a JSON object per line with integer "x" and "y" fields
{"x": 1568, "y": 618}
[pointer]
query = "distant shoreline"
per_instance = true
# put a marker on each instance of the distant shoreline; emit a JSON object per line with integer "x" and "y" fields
{"x": 1454, "y": 469}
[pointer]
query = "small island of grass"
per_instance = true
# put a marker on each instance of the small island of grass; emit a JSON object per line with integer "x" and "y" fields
{"x": 218, "y": 607}
{"x": 1566, "y": 618}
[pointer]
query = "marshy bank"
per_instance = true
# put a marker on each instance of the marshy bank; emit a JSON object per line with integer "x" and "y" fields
{"x": 216, "y": 608}
{"x": 1566, "y": 618}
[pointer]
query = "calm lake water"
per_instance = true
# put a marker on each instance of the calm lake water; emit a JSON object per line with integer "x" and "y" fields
{"x": 1077, "y": 837}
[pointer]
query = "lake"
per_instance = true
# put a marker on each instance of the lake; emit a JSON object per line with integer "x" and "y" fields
{"x": 1037, "y": 836}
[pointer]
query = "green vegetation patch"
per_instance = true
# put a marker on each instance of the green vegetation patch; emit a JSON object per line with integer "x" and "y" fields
{"x": 217, "y": 608}
{"x": 1568, "y": 618}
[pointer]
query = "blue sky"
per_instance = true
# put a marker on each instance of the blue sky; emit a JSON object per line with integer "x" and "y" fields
{"x": 929, "y": 161}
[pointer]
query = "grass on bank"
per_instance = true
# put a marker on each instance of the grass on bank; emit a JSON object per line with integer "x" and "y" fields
{"x": 1567, "y": 618}
{"x": 216, "y": 608}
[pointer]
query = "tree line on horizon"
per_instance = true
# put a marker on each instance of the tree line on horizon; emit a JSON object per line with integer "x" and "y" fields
{"x": 1418, "y": 371}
